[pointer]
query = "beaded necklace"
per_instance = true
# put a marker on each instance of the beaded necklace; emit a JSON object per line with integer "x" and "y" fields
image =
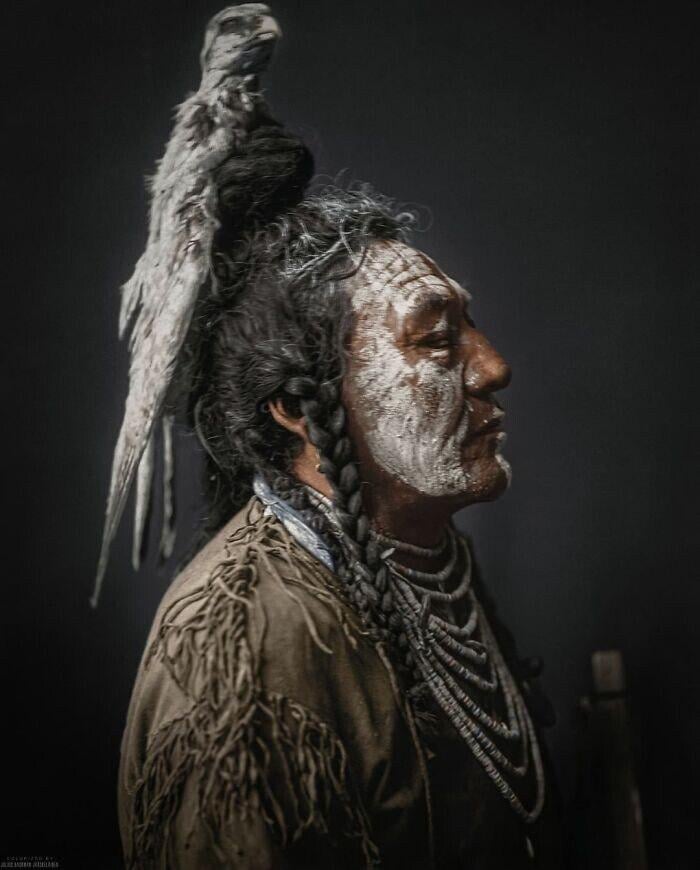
{"x": 425, "y": 577}
{"x": 451, "y": 657}
{"x": 413, "y": 549}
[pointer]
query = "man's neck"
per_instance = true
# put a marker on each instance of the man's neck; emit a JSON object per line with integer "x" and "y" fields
{"x": 416, "y": 521}
{"x": 394, "y": 509}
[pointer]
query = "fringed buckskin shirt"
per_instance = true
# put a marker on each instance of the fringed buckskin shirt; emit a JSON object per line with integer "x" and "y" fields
{"x": 267, "y": 729}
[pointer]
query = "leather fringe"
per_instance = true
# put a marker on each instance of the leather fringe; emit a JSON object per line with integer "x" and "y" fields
{"x": 246, "y": 750}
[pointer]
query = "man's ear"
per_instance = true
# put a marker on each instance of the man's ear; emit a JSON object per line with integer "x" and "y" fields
{"x": 292, "y": 424}
{"x": 306, "y": 464}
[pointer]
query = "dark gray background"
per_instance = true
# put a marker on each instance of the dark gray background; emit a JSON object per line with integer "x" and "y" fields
{"x": 557, "y": 146}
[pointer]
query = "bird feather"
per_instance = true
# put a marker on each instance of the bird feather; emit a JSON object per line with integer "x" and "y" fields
{"x": 160, "y": 297}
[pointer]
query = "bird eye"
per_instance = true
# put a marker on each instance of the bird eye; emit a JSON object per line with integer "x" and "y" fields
{"x": 239, "y": 26}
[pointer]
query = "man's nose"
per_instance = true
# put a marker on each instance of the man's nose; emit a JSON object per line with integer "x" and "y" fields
{"x": 486, "y": 370}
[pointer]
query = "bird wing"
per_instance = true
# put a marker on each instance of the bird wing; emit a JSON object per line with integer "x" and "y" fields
{"x": 161, "y": 295}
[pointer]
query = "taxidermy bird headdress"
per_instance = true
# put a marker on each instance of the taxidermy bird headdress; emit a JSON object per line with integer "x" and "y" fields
{"x": 176, "y": 268}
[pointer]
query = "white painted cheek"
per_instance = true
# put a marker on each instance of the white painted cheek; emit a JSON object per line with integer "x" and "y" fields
{"x": 415, "y": 420}
{"x": 445, "y": 429}
{"x": 440, "y": 392}
{"x": 381, "y": 384}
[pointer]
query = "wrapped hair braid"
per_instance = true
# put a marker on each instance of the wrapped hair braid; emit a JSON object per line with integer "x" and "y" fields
{"x": 362, "y": 569}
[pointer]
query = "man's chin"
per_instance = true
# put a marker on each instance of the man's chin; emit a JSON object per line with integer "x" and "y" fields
{"x": 488, "y": 478}
{"x": 501, "y": 481}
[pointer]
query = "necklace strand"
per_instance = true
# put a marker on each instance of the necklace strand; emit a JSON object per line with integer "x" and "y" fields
{"x": 413, "y": 549}
{"x": 429, "y": 578}
{"x": 447, "y": 654}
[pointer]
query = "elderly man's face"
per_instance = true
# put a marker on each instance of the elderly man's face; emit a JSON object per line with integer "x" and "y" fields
{"x": 420, "y": 379}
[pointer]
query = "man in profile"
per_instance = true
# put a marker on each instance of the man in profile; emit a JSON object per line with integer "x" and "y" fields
{"x": 326, "y": 683}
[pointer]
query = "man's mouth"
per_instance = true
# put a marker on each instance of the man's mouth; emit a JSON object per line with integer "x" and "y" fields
{"x": 489, "y": 421}
{"x": 493, "y": 425}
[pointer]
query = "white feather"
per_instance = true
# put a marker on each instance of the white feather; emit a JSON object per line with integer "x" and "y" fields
{"x": 144, "y": 480}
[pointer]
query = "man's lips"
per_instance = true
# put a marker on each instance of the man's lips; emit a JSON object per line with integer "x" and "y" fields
{"x": 491, "y": 426}
{"x": 484, "y": 418}
{"x": 488, "y": 423}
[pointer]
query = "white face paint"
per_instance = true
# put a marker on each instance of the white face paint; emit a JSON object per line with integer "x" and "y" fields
{"x": 412, "y": 405}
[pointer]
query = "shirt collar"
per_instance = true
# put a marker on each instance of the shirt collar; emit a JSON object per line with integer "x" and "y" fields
{"x": 293, "y": 522}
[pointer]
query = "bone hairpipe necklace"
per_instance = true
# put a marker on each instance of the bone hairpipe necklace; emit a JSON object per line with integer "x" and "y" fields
{"x": 413, "y": 549}
{"x": 452, "y": 658}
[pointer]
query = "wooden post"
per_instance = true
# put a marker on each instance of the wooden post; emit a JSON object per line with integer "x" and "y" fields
{"x": 614, "y": 838}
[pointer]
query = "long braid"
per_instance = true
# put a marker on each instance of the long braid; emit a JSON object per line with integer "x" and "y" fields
{"x": 362, "y": 569}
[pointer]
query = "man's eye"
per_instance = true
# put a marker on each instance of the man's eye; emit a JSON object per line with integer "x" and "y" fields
{"x": 444, "y": 340}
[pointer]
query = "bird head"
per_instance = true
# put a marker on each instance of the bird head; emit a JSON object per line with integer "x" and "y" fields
{"x": 239, "y": 40}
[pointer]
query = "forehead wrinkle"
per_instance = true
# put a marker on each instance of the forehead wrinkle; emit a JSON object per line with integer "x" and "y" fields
{"x": 438, "y": 279}
{"x": 388, "y": 277}
{"x": 411, "y": 276}
{"x": 410, "y": 256}
{"x": 407, "y": 299}
{"x": 383, "y": 256}
{"x": 376, "y": 268}
{"x": 377, "y": 260}
{"x": 412, "y": 273}
{"x": 395, "y": 264}
{"x": 437, "y": 273}
{"x": 400, "y": 278}
{"x": 438, "y": 290}
{"x": 434, "y": 282}
{"x": 418, "y": 304}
